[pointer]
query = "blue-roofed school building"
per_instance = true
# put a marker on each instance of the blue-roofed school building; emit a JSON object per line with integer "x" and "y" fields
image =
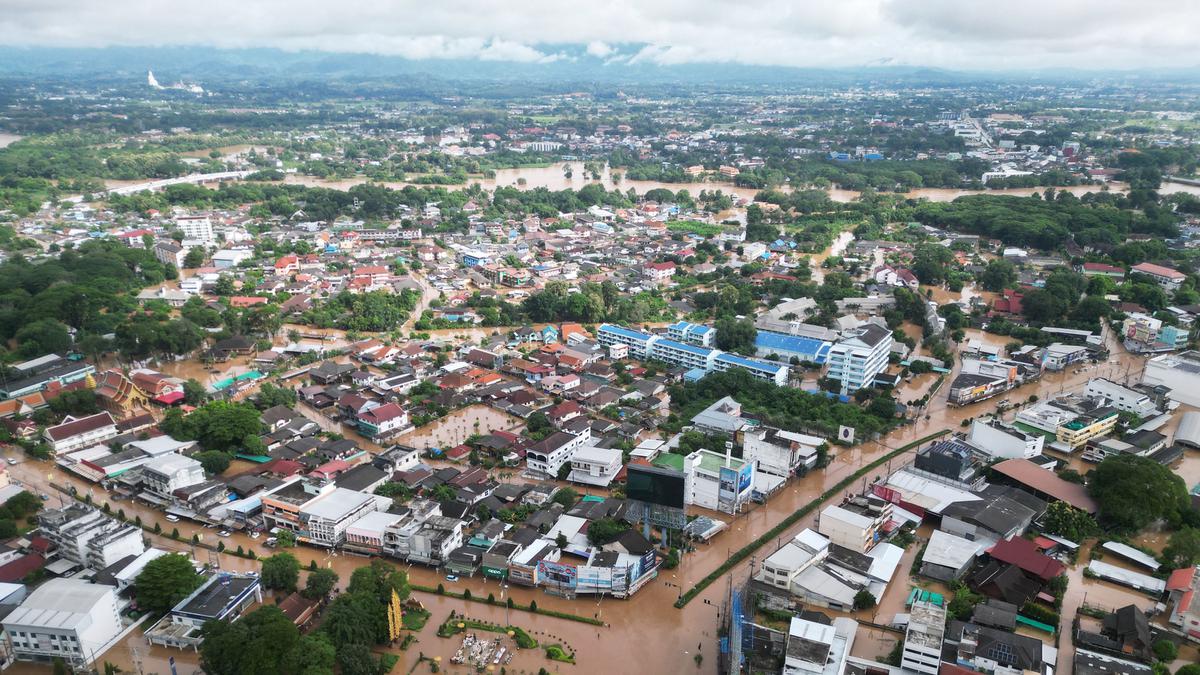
{"x": 692, "y": 333}
{"x": 786, "y": 347}
{"x": 695, "y": 358}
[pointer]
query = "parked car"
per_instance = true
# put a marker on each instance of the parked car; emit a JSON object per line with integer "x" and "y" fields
{"x": 45, "y": 497}
{"x": 224, "y": 533}
{"x": 12, "y": 461}
{"x": 451, "y": 577}
{"x": 171, "y": 518}
{"x": 255, "y": 535}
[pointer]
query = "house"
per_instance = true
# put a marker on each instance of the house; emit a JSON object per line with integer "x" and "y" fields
{"x": 948, "y": 557}
{"x": 75, "y": 433}
{"x": 1025, "y": 555}
{"x": 88, "y": 538}
{"x": 659, "y": 272}
{"x": 224, "y": 596}
{"x": 1169, "y": 279}
{"x": 591, "y": 465}
{"x": 546, "y": 458}
{"x": 856, "y": 524}
{"x": 383, "y": 421}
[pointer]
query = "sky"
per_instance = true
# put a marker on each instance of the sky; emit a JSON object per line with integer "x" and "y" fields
{"x": 955, "y": 34}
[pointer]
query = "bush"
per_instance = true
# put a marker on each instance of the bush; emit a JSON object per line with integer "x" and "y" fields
{"x": 1165, "y": 650}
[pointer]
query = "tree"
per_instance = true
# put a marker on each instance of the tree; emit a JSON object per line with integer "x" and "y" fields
{"x": 165, "y": 581}
{"x": 357, "y": 659}
{"x": 1165, "y": 650}
{"x": 285, "y": 538}
{"x": 442, "y": 493}
{"x": 269, "y": 396}
{"x": 261, "y": 642}
{"x": 43, "y": 336}
{"x": 565, "y": 496}
{"x": 350, "y": 619}
{"x": 1133, "y": 492}
{"x": 194, "y": 393}
{"x": 313, "y": 655}
{"x": 998, "y": 275}
{"x": 1065, "y": 520}
{"x": 1183, "y": 550}
{"x": 280, "y": 572}
{"x": 864, "y": 600}
{"x": 320, "y": 583}
{"x": 214, "y": 462}
{"x": 194, "y": 257}
{"x": 603, "y": 531}
{"x": 1189, "y": 669}
{"x": 736, "y": 335}
{"x": 930, "y": 263}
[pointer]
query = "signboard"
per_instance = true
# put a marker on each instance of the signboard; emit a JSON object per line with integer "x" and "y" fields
{"x": 846, "y": 434}
{"x": 557, "y": 574}
{"x": 656, "y": 515}
{"x": 655, "y": 485}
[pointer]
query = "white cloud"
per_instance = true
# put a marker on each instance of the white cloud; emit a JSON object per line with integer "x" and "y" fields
{"x": 947, "y": 33}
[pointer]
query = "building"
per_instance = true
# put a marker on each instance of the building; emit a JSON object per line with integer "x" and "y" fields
{"x": 995, "y": 439}
{"x": 196, "y": 229}
{"x": 1121, "y": 397}
{"x": 82, "y": 432}
{"x": 319, "y": 513}
{"x": 923, "y": 638}
{"x": 948, "y": 557}
{"x": 68, "y": 619}
{"x": 35, "y": 375}
{"x": 1180, "y": 372}
{"x": 222, "y": 597}
{"x": 856, "y": 524}
{"x": 768, "y": 344}
{"x": 87, "y": 537}
{"x": 546, "y": 457}
{"x": 778, "y": 452}
{"x": 818, "y": 649}
{"x": 164, "y": 474}
{"x": 699, "y": 360}
{"x": 692, "y": 333}
{"x": 383, "y": 421}
{"x": 856, "y": 360}
{"x": 719, "y": 482}
{"x": 1059, "y": 356}
{"x": 1169, "y": 279}
{"x": 591, "y": 465}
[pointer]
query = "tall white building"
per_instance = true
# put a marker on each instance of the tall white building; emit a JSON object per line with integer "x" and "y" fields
{"x": 165, "y": 474}
{"x": 68, "y": 619}
{"x": 1121, "y": 397}
{"x": 923, "y": 639}
{"x": 778, "y": 452}
{"x": 546, "y": 457}
{"x": 856, "y": 359}
{"x": 87, "y": 537}
{"x": 196, "y": 229}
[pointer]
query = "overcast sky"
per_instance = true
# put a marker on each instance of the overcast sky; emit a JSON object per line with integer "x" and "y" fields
{"x": 958, "y": 34}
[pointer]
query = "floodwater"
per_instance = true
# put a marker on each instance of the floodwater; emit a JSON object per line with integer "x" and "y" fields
{"x": 8, "y": 139}
{"x": 554, "y": 178}
{"x": 677, "y": 634}
{"x": 459, "y": 425}
{"x": 837, "y": 248}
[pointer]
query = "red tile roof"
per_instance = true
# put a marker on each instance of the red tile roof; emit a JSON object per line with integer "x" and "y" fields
{"x": 1181, "y": 579}
{"x": 1024, "y": 554}
{"x": 17, "y": 569}
{"x": 80, "y": 426}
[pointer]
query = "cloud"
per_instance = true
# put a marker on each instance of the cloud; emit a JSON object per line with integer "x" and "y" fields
{"x": 946, "y": 33}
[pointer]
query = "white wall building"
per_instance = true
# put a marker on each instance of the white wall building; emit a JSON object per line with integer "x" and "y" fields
{"x": 68, "y": 619}
{"x": 329, "y": 516}
{"x": 1002, "y": 441}
{"x": 595, "y": 466}
{"x": 854, "y": 528}
{"x": 1179, "y": 372}
{"x": 779, "y": 452}
{"x": 923, "y": 638}
{"x": 546, "y": 457}
{"x": 87, "y": 537}
{"x": 196, "y": 229}
{"x": 858, "y": 358}
{"x": 719, "y": 482}
{"x": 164, "y": 474}
{"x": 1121, "y": 397}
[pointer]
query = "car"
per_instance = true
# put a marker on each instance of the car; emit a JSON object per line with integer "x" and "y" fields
{"x": 45, "y": 497}
{"x": 172, "y": 518}
{"x": 255, "y": 535}
{"x": 224, "y": 533}
{"x": 12, "y": 461}
{"x": 451, "y": 577}
{"x": 270, "y": 543}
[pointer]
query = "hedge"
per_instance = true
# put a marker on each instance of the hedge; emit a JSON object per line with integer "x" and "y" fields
{"x": 524, "y": 608}
{"x": 777, "y": 531}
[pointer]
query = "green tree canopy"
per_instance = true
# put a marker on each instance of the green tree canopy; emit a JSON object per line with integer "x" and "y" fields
{"x": 165, "y": 581}
{"x": 280, "y": 572}
{"x": 1133, "y": 492}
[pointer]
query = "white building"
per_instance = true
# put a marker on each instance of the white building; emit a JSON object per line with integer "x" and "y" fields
{"x": 1121, "y": 397}
{"x": 1178, "y": 372}
{"x": 164, "y": 474}
{"x": 68, "y": 619}
{"x": 196, "y": 229}
{"x": 1002, "y": 441}
{"x": 546, "y": 457}
{"x": 855, "y": 525}
{"x": 783, "y": 567}
{"x": 858, "y": 358}
{"x": 329, "y": 516}
{"x": 719, "y": 482}
{"x": 778, "y": 452}
{"x": 89, "y": 538}
{"x": 923, "y": 638}
{"x": 82, "y": 432}
{"x": 591, "y": 465}
{"x": 817, "y": 649}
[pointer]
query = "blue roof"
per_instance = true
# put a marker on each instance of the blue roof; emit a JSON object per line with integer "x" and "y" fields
{"x": 699, "y": 373}
{"x": 817, "y": 350}
{"x": 691, "y": 349}
{"x": 624, "y": 332}
{"x": 735, "y": 360}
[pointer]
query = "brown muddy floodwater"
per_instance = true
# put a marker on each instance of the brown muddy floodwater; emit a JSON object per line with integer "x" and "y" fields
{"x": 459, "y": 425}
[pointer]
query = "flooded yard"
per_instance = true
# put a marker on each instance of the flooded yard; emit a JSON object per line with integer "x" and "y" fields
{"x": 455, "y": 428}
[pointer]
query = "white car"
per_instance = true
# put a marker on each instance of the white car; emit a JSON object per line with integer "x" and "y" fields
{"x": 255, "y": 535}
{"x": 172, "y": 518}
{"x": 224, "y": 533}
{"x": 12, "y": 461}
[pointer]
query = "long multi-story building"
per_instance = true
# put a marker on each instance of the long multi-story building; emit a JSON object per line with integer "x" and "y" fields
{"x": 700, "y": 360}
{"x": 68, "y": 619}
{"x": 318, "y": 513}
{"x": 87, "y": 537}
{"x": 692, "y": 333}
{"x": 856, "y": 359}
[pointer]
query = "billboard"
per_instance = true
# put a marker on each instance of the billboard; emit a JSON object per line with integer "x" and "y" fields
{"x": 556, "y": 574}
{"x": 655, "y": 485}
